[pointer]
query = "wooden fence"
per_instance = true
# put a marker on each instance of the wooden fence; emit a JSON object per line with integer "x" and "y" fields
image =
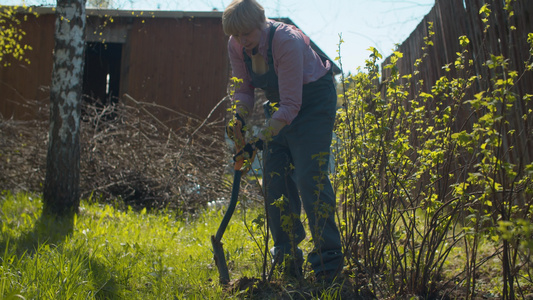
{"x": 454, "y": 18}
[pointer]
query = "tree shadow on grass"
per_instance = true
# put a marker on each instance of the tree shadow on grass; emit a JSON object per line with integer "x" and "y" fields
{"x": 53, "y": 231}
{"x": 47, "y": 229}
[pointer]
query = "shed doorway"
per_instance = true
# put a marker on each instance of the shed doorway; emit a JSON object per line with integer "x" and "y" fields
{"x": 101, "y": 78}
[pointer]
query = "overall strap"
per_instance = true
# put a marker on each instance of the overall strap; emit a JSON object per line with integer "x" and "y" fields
{"x": 273, "y": 28}
{"x": 268, "y": 81}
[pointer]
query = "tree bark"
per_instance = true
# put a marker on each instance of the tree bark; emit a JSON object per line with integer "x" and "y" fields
{"x": 61, "y": 194}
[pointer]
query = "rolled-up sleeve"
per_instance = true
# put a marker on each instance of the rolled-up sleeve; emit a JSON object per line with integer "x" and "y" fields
{"x": 244, "y": 92}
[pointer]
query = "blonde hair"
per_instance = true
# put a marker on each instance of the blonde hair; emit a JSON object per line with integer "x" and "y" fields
{"x": 243, "y": 16}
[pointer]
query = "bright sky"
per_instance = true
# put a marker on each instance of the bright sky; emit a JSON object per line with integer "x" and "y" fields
{"x": 362, "y": 23}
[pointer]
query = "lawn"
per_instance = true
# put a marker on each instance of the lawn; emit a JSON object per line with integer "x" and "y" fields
{"x": 108, "y": 253}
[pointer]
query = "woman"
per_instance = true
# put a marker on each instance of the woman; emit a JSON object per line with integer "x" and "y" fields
{"x": 298, "y": 83}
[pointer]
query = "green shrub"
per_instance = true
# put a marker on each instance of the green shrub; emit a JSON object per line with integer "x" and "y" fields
{"x": 417, "y": 181}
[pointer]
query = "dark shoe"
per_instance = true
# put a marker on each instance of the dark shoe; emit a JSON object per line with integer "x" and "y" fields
{"x": 328, "y": 277}
{"x": 292, "y": 266}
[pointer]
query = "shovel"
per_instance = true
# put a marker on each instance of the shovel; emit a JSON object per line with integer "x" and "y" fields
{"x": 218, "y": 251}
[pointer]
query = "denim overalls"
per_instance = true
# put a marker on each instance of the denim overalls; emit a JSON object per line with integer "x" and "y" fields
{"x": 296, "y": 165}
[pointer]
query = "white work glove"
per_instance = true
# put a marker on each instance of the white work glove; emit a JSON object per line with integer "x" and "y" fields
{"x": 272, "y": 129}
{"x": 235, "y": 129}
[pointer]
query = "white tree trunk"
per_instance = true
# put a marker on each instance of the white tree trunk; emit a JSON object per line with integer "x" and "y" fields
{"x": 61, "y": 188}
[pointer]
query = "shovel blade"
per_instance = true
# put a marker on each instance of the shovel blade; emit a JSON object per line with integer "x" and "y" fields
{"x": 220, "y": 260}
{"x": 218, "y": 251}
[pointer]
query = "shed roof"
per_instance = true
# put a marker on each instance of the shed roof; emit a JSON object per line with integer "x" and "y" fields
{"x": 173, "y": 14}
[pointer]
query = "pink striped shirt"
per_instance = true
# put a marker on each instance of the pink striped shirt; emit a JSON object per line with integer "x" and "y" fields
{"x": 295, "y": 64}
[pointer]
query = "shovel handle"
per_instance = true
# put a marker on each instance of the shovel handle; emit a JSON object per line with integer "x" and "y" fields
{"x": 231, "y": 206}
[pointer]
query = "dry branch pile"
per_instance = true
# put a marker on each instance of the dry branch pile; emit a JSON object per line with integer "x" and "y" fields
{"x": 22, "y": 154}
{"x": 126, "y": 154}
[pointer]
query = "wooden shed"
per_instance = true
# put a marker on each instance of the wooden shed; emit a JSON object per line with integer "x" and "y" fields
{"x": 175, "y": 59}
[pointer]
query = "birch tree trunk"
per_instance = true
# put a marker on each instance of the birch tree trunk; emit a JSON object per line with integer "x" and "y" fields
{"x": 61, "y": 187}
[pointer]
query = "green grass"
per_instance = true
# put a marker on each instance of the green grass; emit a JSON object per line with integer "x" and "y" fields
{"x": 109, "y": 253}
{"x": 112, "y": 254}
